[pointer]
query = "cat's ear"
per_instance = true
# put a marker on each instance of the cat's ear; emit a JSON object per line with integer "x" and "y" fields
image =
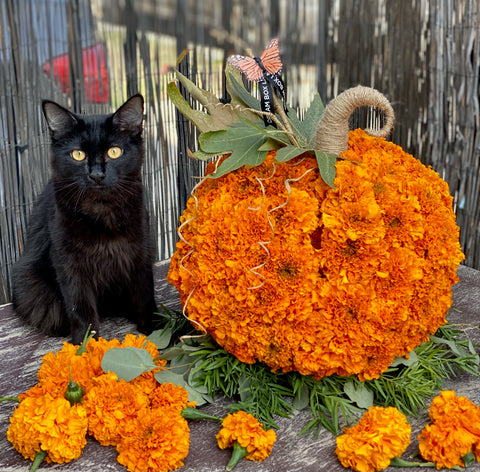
{"x": 129, "y": 117}
{"x": 60, "y": 121}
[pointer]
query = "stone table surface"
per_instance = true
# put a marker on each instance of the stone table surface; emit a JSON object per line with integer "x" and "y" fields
{"x": 21, "y": 350}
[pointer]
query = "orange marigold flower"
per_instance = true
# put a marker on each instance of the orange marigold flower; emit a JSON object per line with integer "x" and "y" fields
{"x": 319, "y": 280}
{"x": 56, "y": 368}
{"x": 112, "y": 406}
{"x": 96, "y": 348}
{"x": 249, "y": 433}
{"x": 51, "y": 424}
{"x": 379, "y": 436}
{"x": 454, "y": 432}
{"x": 39, "y": 390}
{"x": 168, "y": 395}
{"x": 159, "y": 442}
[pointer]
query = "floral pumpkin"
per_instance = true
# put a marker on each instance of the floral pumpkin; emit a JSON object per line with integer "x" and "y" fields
{"x": 283, "y": 269}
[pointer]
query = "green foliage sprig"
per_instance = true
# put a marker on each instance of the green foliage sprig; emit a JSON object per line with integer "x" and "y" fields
{"x": 207, "y": 371}
{"x": 236, "y": 128}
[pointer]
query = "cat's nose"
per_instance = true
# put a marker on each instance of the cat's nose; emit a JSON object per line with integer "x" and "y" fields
{"x": 97, "y": 175}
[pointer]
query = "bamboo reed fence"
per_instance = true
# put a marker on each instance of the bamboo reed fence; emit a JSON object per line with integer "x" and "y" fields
{"x": 424, "y": 55}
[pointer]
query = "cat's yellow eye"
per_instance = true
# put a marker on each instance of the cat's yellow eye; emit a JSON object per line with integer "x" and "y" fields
{"x": 78, "y": 154}
{"x": 114, "y": 152}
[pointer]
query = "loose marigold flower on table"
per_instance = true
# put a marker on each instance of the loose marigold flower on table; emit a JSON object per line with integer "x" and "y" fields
{"x": 454, "y": 432}
{"x": 379, "y": 436}
{"x": 113, "y": 406}
{"x": 354, "y": 276}
{"x": 49, "y": 424}
{"x": 168, "y": 395}
{"x": 249, "y": 433}
{"x": 56, "y": 368}
{"x": 159, "y": 442}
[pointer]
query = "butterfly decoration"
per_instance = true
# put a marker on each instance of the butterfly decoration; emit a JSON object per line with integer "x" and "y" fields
{"x": 255, "y": 67}
{"x": 266, "y": 71}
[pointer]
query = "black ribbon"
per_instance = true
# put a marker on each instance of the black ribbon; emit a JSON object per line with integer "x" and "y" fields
{"x": 279, "y": 87}
{"x": 267, "y": 84}
{"x": 266, "y": 100}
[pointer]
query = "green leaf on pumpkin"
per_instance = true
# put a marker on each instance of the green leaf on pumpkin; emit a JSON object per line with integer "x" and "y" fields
{"x": 311, "y": 119}
{"x": 326, "y": 166}
{"x": 238, "y": 93}
{"x": 243, "y": 143}
{"x": 288, "y": 152}
{"x": 217, "y": 116}
{"x": 269, "y": 145}
{"x": 205, "y": 156}
{"x": 222, "y": 134}
{"x": 127, "y": 362}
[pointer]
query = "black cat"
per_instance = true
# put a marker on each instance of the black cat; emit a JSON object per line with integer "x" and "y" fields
{"x": 88, "y": 252}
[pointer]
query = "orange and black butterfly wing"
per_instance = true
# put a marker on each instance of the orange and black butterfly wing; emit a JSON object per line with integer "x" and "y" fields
{"x": 247, "y": 66}
{"x": 271, "y": 58}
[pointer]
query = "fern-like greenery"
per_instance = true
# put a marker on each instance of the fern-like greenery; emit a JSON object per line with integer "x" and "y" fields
{"x": 332, "y": 401}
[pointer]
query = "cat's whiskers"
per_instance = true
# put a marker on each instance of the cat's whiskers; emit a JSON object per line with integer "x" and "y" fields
{"x": 80, "y": 194}
{"x": 70, "y": 191}
{"x": 127, "y": 187}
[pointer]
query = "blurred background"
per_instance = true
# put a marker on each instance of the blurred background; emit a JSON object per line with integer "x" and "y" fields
{"x": 90, "y": 56}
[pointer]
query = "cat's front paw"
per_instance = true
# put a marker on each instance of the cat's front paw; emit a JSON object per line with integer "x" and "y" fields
{"x": 147, "y": 325}
{"x": 81, "y": 330}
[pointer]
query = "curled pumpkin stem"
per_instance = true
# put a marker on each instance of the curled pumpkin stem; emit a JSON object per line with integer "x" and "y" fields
{"x": 332, "y": 130}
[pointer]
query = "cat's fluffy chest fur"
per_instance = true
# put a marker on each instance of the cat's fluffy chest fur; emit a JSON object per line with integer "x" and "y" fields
{"x": 88, "y": 251}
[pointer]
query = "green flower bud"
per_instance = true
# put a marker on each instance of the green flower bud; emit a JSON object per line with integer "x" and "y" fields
{"x": 74, "y": 393}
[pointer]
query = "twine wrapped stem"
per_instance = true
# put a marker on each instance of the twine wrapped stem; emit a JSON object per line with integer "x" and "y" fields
{"x": 332, "y": 130}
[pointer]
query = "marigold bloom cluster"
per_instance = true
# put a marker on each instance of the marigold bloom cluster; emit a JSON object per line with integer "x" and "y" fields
{"x": 379, "y": 436}
{"x": 51, "y": 424}
{"x": 453, "y": 433}
{"x": 280, "y": 268}
{"x": 141, "y": 418}
{"x": 249, "y": 433}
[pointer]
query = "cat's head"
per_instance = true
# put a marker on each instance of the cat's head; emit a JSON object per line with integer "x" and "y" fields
{"x": 96, "y": 151}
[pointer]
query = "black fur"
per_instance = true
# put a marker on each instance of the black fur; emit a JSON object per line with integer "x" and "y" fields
{"x": 88, "y": 252}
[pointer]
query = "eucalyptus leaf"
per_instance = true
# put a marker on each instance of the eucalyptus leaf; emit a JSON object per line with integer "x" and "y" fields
{"x": 468, "y": 459}
{"x": 180, "y": 364}
{"x": 161, "y": 338}
{"x": 170, "y": 376}
{"x": 172, "y": 353}
{"x": 326, "y": 166}
{"x": 244, "y": 387}
{"x": 195, "y": 396}
{"x": 195, "y": 377}
{"x": 302, "y": 398}
{"x": 127, "y": 362}
{"x": 359, "y": 394}
{"x": 412, "y": 360}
